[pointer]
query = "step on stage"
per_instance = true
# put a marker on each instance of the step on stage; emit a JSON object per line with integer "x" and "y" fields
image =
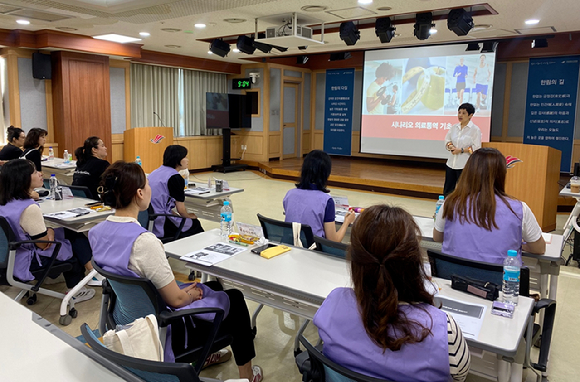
{"x": 400, "y": 177}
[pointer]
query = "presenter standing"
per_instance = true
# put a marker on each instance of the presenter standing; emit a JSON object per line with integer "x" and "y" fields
{"x": 461, "y": 141}
{"x": 375, "y": 93}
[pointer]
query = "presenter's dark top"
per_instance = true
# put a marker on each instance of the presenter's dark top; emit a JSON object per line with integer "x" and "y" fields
{"x": 89, "y": 174}
{"x": 10, "y": 152}
{"x": 34, "y": 156}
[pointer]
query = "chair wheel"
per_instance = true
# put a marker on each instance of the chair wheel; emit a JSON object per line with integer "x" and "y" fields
{"x": 191, "y": 276}
{"x": 297, "y": 352}
{"x": 31, "y": 300}
{"x": 65, "y": 320}
{"x": 73, "y": 313}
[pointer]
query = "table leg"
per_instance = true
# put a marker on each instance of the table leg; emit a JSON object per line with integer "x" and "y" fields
{"x": 503, "y": 371}
{"x": 517, "y": 372}
{"x": 553, "y": 287}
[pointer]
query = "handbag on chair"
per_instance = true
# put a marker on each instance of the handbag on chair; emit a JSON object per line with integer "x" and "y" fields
{"x": 140, "y": 339}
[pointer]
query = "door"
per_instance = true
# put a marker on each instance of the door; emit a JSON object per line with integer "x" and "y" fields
{"x": 290, "y": 121}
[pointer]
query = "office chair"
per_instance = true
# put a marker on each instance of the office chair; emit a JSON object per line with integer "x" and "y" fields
{"x": 80, "y": 191}
{"x": 144, "y": 369}
{"x": 8, "y": 246}
{"x": 281, "y": 232}
{"x": 127, "y": 298}
{"x": 147, "y": 220}
{"x": 330, "y": 247}
{"x": 444, "y": 266}
{"x": 315, "y": 367}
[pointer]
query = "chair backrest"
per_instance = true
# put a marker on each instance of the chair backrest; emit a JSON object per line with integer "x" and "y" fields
{"x": 134, "y": 298}
{"x": 6, "y": 236}
{"x": 330, "y": 247}
{"x": 444, "y": 266}
{"x": 147, "y": 370}
{"x": 143, "y": 219}
{"x": 80, "y": 191}
{"x": 324, "y": 370}
{"x": 281, "y": 232}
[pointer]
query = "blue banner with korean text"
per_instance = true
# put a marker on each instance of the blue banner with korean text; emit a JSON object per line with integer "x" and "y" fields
{"x": 338, "y": 111}
{"x": 551, "y": 104}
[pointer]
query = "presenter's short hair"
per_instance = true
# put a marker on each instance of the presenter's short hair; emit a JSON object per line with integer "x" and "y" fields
{"x": 469, "y": 108}
{"x": 173, "y": 155}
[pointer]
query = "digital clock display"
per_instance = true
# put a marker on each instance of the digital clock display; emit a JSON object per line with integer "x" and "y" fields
{"x": 242, "y": 83}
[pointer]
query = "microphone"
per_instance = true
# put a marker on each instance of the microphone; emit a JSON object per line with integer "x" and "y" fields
{"x": 160, "y": 120}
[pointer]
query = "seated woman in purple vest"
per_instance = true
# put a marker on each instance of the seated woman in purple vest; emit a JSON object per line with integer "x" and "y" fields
{"x": 479, "y": 221}
{"x": 310, "y": 202}
{"x": 121, "y": 246}
{"x": 387, "y": 327}
{"x": 18, "y": 178}
{"x": 168, "y": 192}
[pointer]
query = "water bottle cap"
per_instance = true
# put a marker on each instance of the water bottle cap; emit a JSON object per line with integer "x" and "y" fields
{"x": 512, "y": 253}
{"x": 138, "y": 156}
{"x": 441, "y": 197}
{"x": 226, "y": 203}
{"x": 50, "y": 147}
{"x": 52, "y": 175}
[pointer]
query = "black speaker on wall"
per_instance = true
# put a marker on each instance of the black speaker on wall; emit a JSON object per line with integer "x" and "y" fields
{"x": 41, "y": 66}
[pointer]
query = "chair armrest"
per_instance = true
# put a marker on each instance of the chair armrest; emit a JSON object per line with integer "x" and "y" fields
{"x": 179, "y": 229}
{"x": 57, "y": 245}
{"x": 547, "y": 328}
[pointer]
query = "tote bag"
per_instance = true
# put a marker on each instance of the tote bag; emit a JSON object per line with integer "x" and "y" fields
{"x": 140, "y": 339}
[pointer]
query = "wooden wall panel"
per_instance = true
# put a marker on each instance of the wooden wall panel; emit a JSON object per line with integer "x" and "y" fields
{"x": 306, "y": 141}
{"x": 274, "y": 144}
{"x": 116, "y": 148}
{"x": 318, "y": 140}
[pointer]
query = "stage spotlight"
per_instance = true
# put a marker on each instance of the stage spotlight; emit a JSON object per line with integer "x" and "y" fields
{"x": 301, "y": 60}
{"x": 246, "y": 44}
{"x": 423, "y": 24}
{"x": 264, "y": 48}
{"x": 459, "y": 21}
{"x": 384, "y": 29}
{"x": 219, "y": 47}
{"x": 280, "y": 48}
{"x": 349, "y": 33}
{"x": 539, "y": 43}
{"x": 489, "y": 47}
{"x": 339, "y": 56}
{"x": 472, "y": 46}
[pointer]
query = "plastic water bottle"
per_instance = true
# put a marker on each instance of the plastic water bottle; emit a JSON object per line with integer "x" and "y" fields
{"x": 438, "y": 206}
{"x": 138, "y": 160}
{"x": 50, "y": 153}
{"x": 65, "y": 157}
{"x": 53, "y": 182}
{"x": 226, "y": 220}
{"x": 511, "y": 278}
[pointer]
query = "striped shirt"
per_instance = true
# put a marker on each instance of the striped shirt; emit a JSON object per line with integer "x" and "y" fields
{"x": 459, "y": 357}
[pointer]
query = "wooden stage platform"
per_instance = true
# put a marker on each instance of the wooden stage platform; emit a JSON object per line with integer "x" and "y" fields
{"x": 408, "y": 178}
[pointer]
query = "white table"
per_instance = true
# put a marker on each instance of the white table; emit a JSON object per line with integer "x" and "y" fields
{"x": 63, "y": 172}
{"x": 208, "y": 205}
{"x": 34, "y": 350}
{"x": 298, "y": 281}
{"x": 79, "y": 224}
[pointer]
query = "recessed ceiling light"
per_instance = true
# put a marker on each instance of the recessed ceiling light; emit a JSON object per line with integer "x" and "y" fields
{"x": 209, "y": 52}
{"x": 432, "y": 31}
{"x": 116, "y": 38}
{"x": 171, "y": 30}
{"x": 236, "y": 50}
{"x": 23, "y": 22}
{"x": 173, "y": 46}
{"x": 365, "y": 1}
{"x": 200, "y": 26}
{"x": 67, "y": 29}
{"x": 235, "y": 20}
{"x": 532, "y": 21}
{"x": 384, "y": 9}
{"x": 314, "y": 8}
{"x": 144, "y": 34}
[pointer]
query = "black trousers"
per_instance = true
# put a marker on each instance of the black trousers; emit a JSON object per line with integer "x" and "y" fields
{"x": 169, "y": 229}
{"x": 237, "y": 324}
{"x": 451, "y": 178}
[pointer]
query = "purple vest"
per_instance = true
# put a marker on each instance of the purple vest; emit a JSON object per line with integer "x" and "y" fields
{"x": 112, "y": 245}
{"x": 161, "y": 201}
{"x": 12, "y": 212}
{"x": 469, "y": 241}
{"x": 347, "y": 343}
{"x": 307, "y": 207}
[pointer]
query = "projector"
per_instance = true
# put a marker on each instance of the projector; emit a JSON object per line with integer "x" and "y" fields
{"x": 286, "y": 30}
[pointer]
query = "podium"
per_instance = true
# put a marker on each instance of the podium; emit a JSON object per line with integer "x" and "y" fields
{"x": 534, "y": 180}
{"x": 148, "y": 144}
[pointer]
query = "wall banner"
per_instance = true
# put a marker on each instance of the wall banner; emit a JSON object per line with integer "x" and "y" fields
{"x": 338, "y": 111}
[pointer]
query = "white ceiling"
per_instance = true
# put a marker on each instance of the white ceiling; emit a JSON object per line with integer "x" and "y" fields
{"x": 129, "y": 17}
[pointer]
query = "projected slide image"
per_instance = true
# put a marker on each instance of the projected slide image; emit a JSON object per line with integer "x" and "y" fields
{"x": 423, "y": 86}
{"x": 382, "y": 87}
{"x": 469, "y": 79}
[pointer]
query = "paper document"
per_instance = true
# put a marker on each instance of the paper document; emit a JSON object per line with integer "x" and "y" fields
{"x": 249, "y": 229}
{"x": 340, "y": 202}
{"x": 72, "y": 213}
{"x": 469, "y": 317}
{"x": 547, "y": 237}
{"x": 213, "y": 254}
{"x": 426, "y": 225}
{"x": 340, "y": 214}
{"x": 197, "y": 191}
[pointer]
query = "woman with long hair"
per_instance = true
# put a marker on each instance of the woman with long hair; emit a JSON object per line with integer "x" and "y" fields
{"x": 34, "y": 146}
{"x": 91, "y": 164}
{"x": 310, "y": 202}
{"x": 15, "y": 137}
{"x": 18, "y": 178}
{"x": 121, "y": 246}
{"x": 479, "y": 221}
{"x": 168, "y": 188}
{"x": 386, "y": 325}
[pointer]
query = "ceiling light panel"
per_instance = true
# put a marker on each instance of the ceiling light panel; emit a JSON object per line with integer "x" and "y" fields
{"x": 116, "y": 38}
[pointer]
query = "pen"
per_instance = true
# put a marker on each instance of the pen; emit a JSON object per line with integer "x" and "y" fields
{"x": 81, "y": 214}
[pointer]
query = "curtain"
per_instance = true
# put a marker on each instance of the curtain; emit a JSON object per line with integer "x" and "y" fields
{"x": 155, "y": 96}
{"x": 3, "y": 99}
{"x": 195, "y": 85}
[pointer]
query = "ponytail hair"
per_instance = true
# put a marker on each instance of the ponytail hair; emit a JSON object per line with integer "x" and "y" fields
{"x": 120, "y": 182}
{"x": 386, "y": 269}
{"x": 85, "y": 152}
{"x": 13, "y": 133}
